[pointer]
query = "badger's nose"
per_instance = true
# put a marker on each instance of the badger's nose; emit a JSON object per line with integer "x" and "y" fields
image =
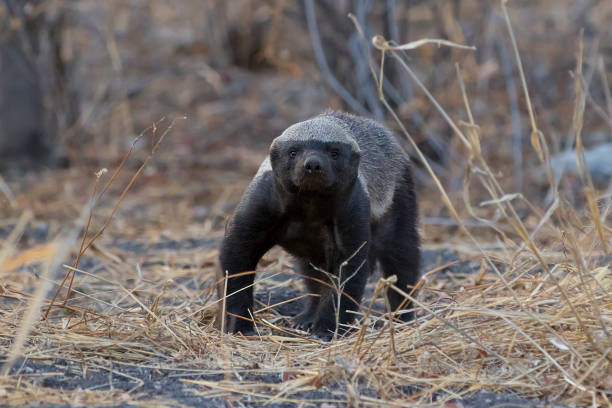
{"x": 312, "y": 164}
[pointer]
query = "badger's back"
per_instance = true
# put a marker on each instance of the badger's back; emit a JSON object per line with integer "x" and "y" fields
{"x": 383, "y": 161}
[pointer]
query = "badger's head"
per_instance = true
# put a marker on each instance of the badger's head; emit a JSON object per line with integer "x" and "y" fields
{"x": 318, "y": 156}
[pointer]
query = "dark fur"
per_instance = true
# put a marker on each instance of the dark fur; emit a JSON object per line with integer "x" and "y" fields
{"x": 316, "y": 206}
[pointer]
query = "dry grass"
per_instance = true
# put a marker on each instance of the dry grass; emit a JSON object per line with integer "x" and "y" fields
{"x": 535, "y": 320}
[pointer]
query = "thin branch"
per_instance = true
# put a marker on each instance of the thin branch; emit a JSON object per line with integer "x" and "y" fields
{"x": 322, "y": 61}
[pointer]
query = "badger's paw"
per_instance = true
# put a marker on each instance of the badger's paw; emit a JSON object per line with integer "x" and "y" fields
{"x": 304, "y": 321}
{"x": 323, "y": 335}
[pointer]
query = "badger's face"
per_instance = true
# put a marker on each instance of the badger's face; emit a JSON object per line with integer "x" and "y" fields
{"x": 307, "y": 158}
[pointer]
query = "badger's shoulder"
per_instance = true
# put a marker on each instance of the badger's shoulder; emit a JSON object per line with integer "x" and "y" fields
{"x": 264, "y": 168}
{"x": 258, "y": 193}
{"x": 383, "y": 161}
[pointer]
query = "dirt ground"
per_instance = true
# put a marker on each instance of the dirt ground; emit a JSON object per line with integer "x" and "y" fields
{"x": 162, "y": 384}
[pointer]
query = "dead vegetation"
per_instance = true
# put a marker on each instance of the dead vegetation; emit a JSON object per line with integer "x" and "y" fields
{"x": 534, "y": 319}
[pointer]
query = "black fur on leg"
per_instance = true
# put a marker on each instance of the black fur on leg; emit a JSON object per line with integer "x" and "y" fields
{"x": 315, "y": 286}
{"x": 248, "y": 235}
{"x": 350, "y": 266}
{"x": 397, "y": 244}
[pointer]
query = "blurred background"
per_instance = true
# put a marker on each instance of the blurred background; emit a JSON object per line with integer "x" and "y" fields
{"x": 79, "y": 80}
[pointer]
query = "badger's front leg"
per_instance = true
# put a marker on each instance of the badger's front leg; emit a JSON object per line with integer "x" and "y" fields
{"x": 314, "y": 280}
{"x": 248, "y": 236}
{"x": 350, "y": 267}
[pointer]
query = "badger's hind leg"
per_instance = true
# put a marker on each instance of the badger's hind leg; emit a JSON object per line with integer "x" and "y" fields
{"x": 397, "y": 244}
{"x": 314, "y": 288}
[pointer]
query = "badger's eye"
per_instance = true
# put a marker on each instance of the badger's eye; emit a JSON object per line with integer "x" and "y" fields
{"x": 335, "y": 154}
{"x": 292, "y": 154}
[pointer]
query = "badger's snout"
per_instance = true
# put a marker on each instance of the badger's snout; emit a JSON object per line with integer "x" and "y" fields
{"x": 313, "y": 173}
{"x": 312, "y": 164}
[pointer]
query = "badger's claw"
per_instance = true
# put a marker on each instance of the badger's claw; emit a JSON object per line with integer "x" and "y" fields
{"x": 304, "y": 321}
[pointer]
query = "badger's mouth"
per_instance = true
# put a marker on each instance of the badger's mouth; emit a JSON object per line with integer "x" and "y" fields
{"x": 306, "y": 180}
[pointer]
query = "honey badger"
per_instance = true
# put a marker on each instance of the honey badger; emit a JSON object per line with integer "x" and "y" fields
{"x": 336, "y": 192}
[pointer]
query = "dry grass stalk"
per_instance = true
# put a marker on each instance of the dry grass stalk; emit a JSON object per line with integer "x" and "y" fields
{"x": 61, "y": 249}
{"x": 6, "y": 190}
{"x": 97, "y": 197}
